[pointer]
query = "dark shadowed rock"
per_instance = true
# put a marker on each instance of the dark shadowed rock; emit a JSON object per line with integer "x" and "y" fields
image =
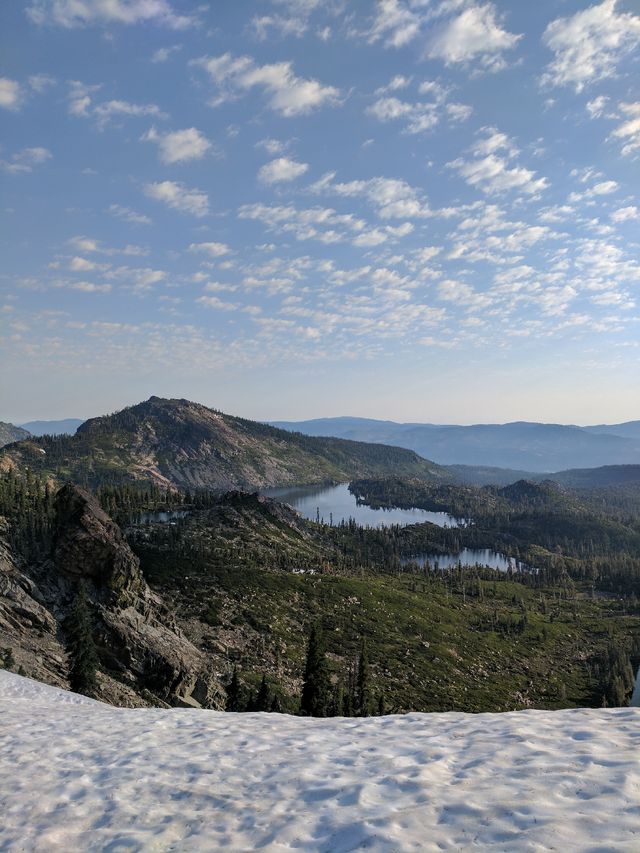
{"x": 90, "y": 546}
{"x": 145, "y": 658}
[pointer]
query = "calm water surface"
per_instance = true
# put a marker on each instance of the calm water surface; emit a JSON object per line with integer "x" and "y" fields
{"x": 469, "y": 557}
{"x": 161, "y": 516}
{"x": 336, "y": 503}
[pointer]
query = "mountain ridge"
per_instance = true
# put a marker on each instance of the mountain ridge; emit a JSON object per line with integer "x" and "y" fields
{"x": 177, "y": 443}
{"x": 521, "y": 445}
{"x": 66, "y": 426}
{"x": 10, "y": 433}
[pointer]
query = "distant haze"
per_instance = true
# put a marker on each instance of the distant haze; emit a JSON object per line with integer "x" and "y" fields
{"x": 63, "y": 427}
{"x": 534, "y": 447}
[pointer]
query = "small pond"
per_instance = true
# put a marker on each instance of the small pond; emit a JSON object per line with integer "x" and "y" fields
{"x": 159, "y": 516}
{"x": 469, "y": 557}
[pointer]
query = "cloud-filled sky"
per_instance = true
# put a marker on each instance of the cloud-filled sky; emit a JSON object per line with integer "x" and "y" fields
{"x": 407, "y": 209}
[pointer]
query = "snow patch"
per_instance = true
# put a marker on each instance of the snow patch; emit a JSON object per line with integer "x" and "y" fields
{"x": 79, "y": 775}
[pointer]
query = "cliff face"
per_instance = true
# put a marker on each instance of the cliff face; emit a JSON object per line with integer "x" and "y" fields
{"x": 145, "y": 658}
{"x": 90, "y": 547}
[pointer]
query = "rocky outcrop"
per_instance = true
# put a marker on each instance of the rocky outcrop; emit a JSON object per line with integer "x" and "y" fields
{"x": 145, "y": 658}
{"x": 27, "y": 626}
{"x": 89, "y": 546}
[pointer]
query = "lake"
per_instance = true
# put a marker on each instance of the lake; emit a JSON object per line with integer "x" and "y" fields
{"x": 469, "y": 557}
{"x": 336, "y": 503}
{"x": 160, "y": 516}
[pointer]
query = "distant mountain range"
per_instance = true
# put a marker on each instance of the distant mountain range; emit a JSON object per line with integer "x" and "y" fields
{"x": 64, "y": 427}
{"x": 186, "y": 445}
{"x": 526, "y": 447}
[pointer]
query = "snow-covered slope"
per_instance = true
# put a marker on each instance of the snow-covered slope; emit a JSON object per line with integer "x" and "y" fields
{"x": 79, "y": 775}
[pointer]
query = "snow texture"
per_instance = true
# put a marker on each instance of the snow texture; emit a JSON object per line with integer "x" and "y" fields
{"x": 78, "y": 775}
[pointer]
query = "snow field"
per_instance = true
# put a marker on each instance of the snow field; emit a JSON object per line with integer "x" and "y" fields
{"x": 78, "y": 775}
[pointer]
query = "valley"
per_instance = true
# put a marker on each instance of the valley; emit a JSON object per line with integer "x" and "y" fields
{"x": 470, "y": 598}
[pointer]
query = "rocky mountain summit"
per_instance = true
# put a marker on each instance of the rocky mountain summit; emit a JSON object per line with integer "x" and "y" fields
{"x": 145, "y": 659}
{"x": 180, "y": 444}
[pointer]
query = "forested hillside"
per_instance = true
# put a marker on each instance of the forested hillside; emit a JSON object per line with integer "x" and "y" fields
{"x": 176, "y": 443}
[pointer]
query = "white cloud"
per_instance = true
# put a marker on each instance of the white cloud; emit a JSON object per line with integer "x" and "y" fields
{"x": 217, "y": 303}
{"x": 283, "y": 25}
{"x": 41, "y": 82}
{"x": 80, "y": 13}
{"x": 179, "y": 197}
{"x": 81, "y": 104}
{"x": 475, "y": 35}
{"x": 459, "y": 112}
{"x": 604, "y": 188}
{"x": 25, "y": 160}
{"x": 11, "y": 94}
{"x": 129, "y": 215}
{"x": 85, "y": 286}
{"x": 138, "y": 279}
{"x": 629, "y": 131}
{"x": 163, "y": 53}
{"x": 271, "y": 146}
{"x": 288, "y": 94}
{"x": 396, "y": 83}
{"x": 391, "y": 198}
{"x": 418, "y": 117}
{"x": 589, "y": 45}
{"x": 394, "y": 24}
{"x": 215, "y": 250}
{"x": 625, "y": 214}
{"x": 493, "y": 173}
{"x": 281, "y": 170}
{"x": 80, "y": 98}
{"x": 596, "y": 106}
{"x": 78, "y": 264}
{"x": 106, "y": 111}
{"x": 85, "y": 244}
{"x": 179, "y": 146}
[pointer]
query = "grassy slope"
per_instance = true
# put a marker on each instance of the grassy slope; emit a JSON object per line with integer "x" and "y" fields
{"x": 435, "y": 644}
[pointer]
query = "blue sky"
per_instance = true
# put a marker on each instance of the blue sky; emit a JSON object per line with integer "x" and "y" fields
{"x": 408, "y": 209}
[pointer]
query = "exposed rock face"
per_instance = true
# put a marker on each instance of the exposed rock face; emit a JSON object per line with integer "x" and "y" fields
{"x": 10, "y": 433}
{"x": 27, "y": 627}
{"x": 90, "y": 546}
{"x": 145, "y": 658}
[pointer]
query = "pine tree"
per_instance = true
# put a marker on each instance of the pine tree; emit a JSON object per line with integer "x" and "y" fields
{"x": 83, "y": 656}
{"x": 316, "y": 688}
{"x": 276, "y": 706}
{"x": 8, "y": 659}
{"x": 234, "y": 693}
{"x": 262, "y": 700}
{"x": 362, "y": 694}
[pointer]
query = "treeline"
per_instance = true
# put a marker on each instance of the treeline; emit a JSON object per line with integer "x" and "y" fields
{"x": 321, "y": 695}
{"x": 28, "y": 504}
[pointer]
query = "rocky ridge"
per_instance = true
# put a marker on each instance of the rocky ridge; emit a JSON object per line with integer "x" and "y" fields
{"x": 145, "y": 658}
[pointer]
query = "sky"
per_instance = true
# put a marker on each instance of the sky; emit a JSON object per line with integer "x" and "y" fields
{"x": 423, "y": 210}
